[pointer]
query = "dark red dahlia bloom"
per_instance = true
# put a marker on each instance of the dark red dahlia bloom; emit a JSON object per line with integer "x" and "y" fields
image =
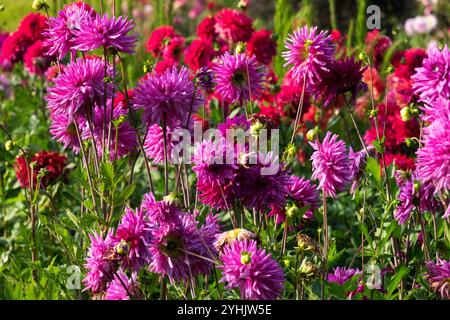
{"x": 160, "y": 38}
{"x": 13, "y": 49}
{"x": 53, "y": 164}
{"x": 288, "y": 99}
{"x": 401, "y": 161}
{"x": 206, "y": 29}
{"x": 344, "y": 76}
{"x": 35, "y": 59}
{"x": 233, "y": 26}
{"x": 263, "y": 46}
{"x": 121, "y": 99}
{"x": 199, "y": 54}
{"x": 32, "y": 26}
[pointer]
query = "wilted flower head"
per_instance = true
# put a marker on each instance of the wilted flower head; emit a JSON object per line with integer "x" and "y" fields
{"x": 239, "y": 77}
{"x": 168, "y": 96}
{"x": 309, "y": 53}
{"x": 358, "y": 162}
{"x": 257, "y": 275}
{"x": 102, "y": 31}
{"x": 438, "y": 276}
{"x": 331, "y": 166}
{"x": 225, "y": 238}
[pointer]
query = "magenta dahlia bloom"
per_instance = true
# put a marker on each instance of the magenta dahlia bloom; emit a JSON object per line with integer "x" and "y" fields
{"x": 264, "y": 184}
{"x": 178, "y": 251}
{"x": 406, "y": 198}
{"x": 439, "y": 109}
{"x": 235, "y": 123}
{"x": 169, "y": 95}
{"x": 331, "y": 166}
{"x": 301, "y": 192}
{"x": 257, "y": 275}
{"x": 432, "y": 80}
{"x": 309, "y": 53}
{"x": 122, "y": 135}
{"x": 154, "y": 144}
{"x": 120, "y": 288}
{"x": 60, "y": 34}
{"x": 239, "y": 77}
{"x": 160, "y": 212}
{"x": 102, "y": 31}
{"x": 210, "y": 159}
{"x": 132, "y": 238}
{"x": 78, "y": 88}
{"x": 99, "y": 264}
{"x": 63, "y": 130}
{"x": 433, "y": 159}
{"x": 438, "y": 276}
{"x": 341, "y": 275}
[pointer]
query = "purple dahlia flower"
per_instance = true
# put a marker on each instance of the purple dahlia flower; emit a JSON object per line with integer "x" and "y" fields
{"x": 257, "y": 275}
{"x": 60, "y": 34}
{"x": 331, "y": 165}
{"x": 432, "y": 80}
{"x": 168, "y": 96}
{"x": 358, "y": 162}
{"x": 99, "y": 264}
{"x": 132, "y": 239}
{"x": 309, "y": 53}
{"x": 438, "y": 276}
{"x": 78, "y": 88}
{"x": 102, "y": 31}
{"x": 121, "y": 288}
{"x": 160, "y": 212}
{"x": 63, "y": 130}
{"x": 239, "y": 77}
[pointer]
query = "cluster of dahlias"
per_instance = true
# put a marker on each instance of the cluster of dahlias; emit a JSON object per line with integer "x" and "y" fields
{"x": 80, "y": 103}
{"x": 26, "y": 45}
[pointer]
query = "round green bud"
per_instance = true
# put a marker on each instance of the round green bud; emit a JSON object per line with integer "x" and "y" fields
{"x": 174, "y": 198}
{"x": 311, "y": 135}
{"x": 240, "y": 48}
{"x": 122, "y": 247}
{"x": 292, "y": 211}
{"x": 246, "y": 257}
{"x": 9, "y": 145}
{"x": 38, "y": 5}
{"x": 373, "y": 113}
{"x": 390, "y": 69}
{"x": 255, "y": 128}
{"x": 405, "y": 114}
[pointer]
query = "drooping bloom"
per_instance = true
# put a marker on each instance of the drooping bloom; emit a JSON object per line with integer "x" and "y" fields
{"x": 239, "y": 77}
{"x": 432, "y": 80}
{"x": 433, "y": 159}
{"x": 119, "y": 133}
{"x": 341, "y": 275}
{"x": 60, "y": 34}
{"x": 183, "y": 250}
{"x": 99, "y": 265}
{"x": 168, "y": 96}
{"x": 78, "y": 88}
{"x": 257, "y": 275}
{"x": 154, "y": 144}
{"x": 51, "y": 163}
{"x": 102, "y": 31}
{"x": 331, "y": 166}
{"x": 309, "y": 53}
{"x": 406, "y": 198}
{"x": 132, "y": 239}
{"x": 205, "y": 78}
{"x": 120, "y": 288}
{"x": 438, "y": 276}
{"x": 233, "y": 26}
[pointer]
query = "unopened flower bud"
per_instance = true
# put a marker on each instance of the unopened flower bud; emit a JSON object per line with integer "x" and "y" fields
{"x": 405, "y": 114}
{"x": 416, "y": 186}
{"x": 174, "y": 198}
{"x": 9, "y": 145}
{"x": 39, "y": 5}
{"x": 240, "y": 48}
{"x": 122, "y": 248}
{"x": 307, "y": 270}
{"x": 306, "y": 244}
{"x": 246, "y": 257}
{"x": 373, "y": 113}
{"x": 292, "y": 211}
{"x": 255, "y": 128}
{"x": 362, "y": 56}
{"x": 390, "y": 69}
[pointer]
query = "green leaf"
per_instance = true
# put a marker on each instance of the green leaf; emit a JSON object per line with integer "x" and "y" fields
{"x": 373, "y": 168}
